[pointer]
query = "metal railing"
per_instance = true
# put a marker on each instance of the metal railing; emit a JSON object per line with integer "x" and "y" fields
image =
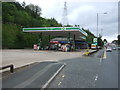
{"x": 11, "y": 66}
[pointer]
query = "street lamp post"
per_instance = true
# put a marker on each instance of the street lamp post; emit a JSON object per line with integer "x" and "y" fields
{"x": 97, "y": 25}
{"x": 101, "y": 32}
{"x": 98, "y": 20}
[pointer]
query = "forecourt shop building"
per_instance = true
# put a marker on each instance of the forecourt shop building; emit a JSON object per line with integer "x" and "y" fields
{"x": 68, "y": 35}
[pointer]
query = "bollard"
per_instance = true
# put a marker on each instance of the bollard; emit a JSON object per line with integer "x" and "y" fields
{"x": 87, "y": 52}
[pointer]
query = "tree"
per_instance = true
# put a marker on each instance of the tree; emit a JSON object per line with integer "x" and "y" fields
{"x": 115, "y": 41}
{"x": 37, "y": 10}
{"x": 9, "y": 12}
{"x": 17, "y": 16}
{"x": 68, "y": 26}
{"x": 34, "y": 10}
{"x": 100, "y": 42}
{"x": 90, "y": 36}
{"x": 23, "y": 4}
{"x": 105, "y": 40}
{"x": 77, "y": 25}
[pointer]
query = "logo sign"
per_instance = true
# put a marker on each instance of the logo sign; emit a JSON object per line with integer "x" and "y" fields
{"x": 63, "y": 28}
{"x": 95, "y": 40}
{"x": 95, "y": 43}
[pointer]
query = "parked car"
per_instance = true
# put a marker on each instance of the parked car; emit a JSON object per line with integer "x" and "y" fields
{"x": 113, "y": 48}
{"x": 109, "y": 49}
{"x": 119, "y": 48}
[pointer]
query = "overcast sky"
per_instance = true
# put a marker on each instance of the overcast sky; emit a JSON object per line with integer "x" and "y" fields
{"x": 84, "y": 13}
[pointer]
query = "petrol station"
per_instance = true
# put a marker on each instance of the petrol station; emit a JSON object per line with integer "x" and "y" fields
{"x": 66, "y": 38}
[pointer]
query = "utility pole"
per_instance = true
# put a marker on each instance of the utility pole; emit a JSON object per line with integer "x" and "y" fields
{"x": 64, "y": 17}
{"x": 98, "y": 21}
{"x": 97, "y": 24}
{"x": 101, "y": 32}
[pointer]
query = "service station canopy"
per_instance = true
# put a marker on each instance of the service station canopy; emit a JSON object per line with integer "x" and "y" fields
{"x": 73, "y": 32}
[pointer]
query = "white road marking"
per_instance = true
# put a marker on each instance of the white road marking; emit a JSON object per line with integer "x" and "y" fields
{"x": 100, "y": 60}
{"x": 48, "y": 82}
{"x": 33, "y": 78}
{"x": 59, "y": 83}
{"x": 105, "y": 56}
{"x": 96, "y": 78}
{"x": 63, "y": 76}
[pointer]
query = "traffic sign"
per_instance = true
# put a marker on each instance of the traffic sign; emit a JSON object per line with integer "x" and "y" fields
{"x": 95, "y": 40}
{"x": 95, "y": 43}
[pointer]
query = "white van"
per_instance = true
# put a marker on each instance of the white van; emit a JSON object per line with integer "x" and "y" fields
{"x": 93, "y": 46}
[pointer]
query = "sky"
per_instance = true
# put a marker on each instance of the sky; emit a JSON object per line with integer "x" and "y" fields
{"x": 84, "y": 13}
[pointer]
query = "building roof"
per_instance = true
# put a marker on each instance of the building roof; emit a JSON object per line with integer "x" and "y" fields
{"x": 58, "y": 31}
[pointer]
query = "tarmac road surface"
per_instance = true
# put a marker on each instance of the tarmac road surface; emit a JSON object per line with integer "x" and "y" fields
{"x": 89, "y": 72}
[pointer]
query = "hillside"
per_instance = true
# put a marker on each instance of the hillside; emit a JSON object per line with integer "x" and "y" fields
{"x": 16, "y": 16}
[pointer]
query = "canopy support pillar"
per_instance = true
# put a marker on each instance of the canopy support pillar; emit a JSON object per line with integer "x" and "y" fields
{"x": 69, "y": 36}
{"x": 49, "y": 38}
{"x": 41, "y": 39}
{"x": 74, "y": 42}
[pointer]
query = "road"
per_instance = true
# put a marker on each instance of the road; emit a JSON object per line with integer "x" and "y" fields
{"x": 80, "y": 72}
{"x": 108, "y": 72}
{"x": 35, "y": 76}
{"x": 89, "y": 72}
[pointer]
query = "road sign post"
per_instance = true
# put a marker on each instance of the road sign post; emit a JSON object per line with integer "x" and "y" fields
{"x": 95, "y": 42}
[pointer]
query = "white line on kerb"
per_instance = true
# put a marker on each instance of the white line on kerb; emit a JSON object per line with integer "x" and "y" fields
{"x": 59, "y": 84}
{"x": 48, "y": 82}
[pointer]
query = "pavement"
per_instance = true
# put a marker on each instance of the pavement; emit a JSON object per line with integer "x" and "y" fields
{"x": 21, "y": 57}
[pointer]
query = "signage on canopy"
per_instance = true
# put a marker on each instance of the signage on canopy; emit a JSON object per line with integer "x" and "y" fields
{"x": 54, "y": 41}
